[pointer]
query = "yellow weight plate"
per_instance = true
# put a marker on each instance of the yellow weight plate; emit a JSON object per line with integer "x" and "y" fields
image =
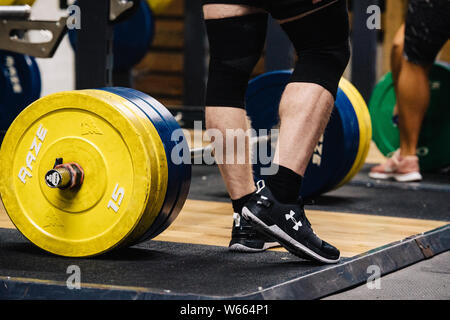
{"x": 106, "y": 142}
{"x": 158, "y": 161}
{"x": 364, "y": 125}
{"x": 365, "y": 128}
{"x": 159, "y": 6}
{"x": 24, "y": 2}
{"x": 365, "y": 117}
{"x": 6, "y": 2}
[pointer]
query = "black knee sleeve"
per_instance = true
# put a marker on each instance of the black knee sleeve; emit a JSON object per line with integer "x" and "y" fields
{"x": 321, "y": 42}
{"x": 323, "y": 66}
{"x": 235, "y": 46}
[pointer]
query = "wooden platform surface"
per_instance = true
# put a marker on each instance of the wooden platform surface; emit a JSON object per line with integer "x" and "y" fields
{"x": 198, "y": 139}
{"x": 209, "y": 223}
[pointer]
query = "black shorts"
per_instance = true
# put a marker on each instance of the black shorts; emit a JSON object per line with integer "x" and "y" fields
{"x": 279, "y": 9}
{"x": 427, "y": 29}
{"x": 236, "y": 44}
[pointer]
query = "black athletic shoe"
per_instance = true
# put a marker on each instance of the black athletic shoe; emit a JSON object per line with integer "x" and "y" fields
{"x": 288, "y": 225}
{"x": 244, "y": 238}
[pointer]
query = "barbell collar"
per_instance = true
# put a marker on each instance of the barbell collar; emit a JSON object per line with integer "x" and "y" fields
{"x": 65, "y": 176}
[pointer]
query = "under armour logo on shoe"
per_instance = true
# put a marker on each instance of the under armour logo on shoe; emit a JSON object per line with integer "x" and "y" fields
{"x": 290, "y": 216}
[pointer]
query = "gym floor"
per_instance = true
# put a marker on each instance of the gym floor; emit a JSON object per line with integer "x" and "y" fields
{"x": 367, "y": 220}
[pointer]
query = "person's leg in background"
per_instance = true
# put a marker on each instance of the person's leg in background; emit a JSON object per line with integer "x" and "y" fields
{"x": 426, "y": 31}
{"x": 414, "y": 92}
{"x": 413, "y": 99}
{"x": 398, "y": 44}
{"x": 236, "y": 36}
{"x": 427, "y": 28}
{"x": 397, "y": 53}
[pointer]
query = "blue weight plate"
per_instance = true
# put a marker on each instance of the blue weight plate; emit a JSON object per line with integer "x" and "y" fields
{"x": 179, "y": 175}
{"x": 263, "y": 93}
{"x": 164, "y": 132}
{"x": 185, "y": 168}
{"x": 20, "y": 85}
{"x": 351, "y": 132}
{"x": 132, "y": 38}
{"x": 335, "y": 153}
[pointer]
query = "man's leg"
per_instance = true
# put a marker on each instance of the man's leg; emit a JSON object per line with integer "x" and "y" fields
{"x": 304, "y": 112}
{"x": 238, "y": 177}
{"x": 308, "y": 101}
{"x": 305, "y": 109}
{"x": 236, "y": 36}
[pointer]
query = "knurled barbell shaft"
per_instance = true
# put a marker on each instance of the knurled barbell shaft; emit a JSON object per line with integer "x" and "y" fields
{"x": 200, "y": 152}
{"x": 15, "y": 12}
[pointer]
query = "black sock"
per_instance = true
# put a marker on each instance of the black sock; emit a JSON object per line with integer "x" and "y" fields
{"x": 238, "y": 204}
{"x": 285, "y": 185}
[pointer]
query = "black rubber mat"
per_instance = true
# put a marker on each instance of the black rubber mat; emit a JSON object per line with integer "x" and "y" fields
{"x": 164, "y": 266}
{"x": 163, "y": 270}
{"x": 425, "y": 200}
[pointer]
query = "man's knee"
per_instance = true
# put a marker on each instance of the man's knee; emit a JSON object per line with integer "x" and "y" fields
{"x": 236, "y": 45}
{"x": 213, "y": 10}
{"x": 321, "y": 42}
{"x": 323, "y": 66}
{"x": 227, "y": 84}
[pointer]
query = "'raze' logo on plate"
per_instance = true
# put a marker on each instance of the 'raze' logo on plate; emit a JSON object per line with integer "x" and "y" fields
{"x": 35, "y": 147}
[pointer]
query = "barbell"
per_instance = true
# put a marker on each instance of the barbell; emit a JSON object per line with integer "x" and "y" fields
{"x": 24, "y": 2}
{"x": 84, "y": 172}
{"x": 16, "y": 2}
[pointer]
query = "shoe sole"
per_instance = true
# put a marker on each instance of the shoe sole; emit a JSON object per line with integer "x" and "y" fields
{"x": 290, "y": 244}
{"x": 406, "y": 177}
{"x": 238, "y": 247}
